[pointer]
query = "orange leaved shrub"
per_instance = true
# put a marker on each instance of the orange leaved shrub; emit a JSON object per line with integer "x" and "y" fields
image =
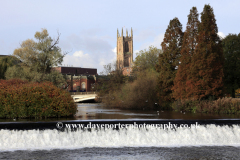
{"x": 23, "y": 99}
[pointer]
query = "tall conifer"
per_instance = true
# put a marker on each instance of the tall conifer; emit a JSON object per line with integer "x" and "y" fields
{"x": 231, "y": 51}
{"x": 206, "y": 71}
{"x": 169, "y": 60}
{"x": 188, "y": 47}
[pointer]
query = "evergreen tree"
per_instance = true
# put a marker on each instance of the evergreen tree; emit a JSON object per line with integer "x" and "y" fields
{"x": 231, "y": 51}
{"x": 188, "y": 47}
{"x": 169, "y": 60}
{"x": 206, "y": 71}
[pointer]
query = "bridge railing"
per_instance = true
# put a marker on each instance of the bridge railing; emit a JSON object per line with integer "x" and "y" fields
{"x": 82, "y": 93}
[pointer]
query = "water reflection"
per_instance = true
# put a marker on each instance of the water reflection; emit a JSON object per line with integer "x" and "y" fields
{"x": 97, "y": 111}
{"x": 89, "y": 111}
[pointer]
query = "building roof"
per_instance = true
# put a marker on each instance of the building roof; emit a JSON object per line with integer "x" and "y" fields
{"x": 4, "y": 55}
{"x": 76, "y": 70}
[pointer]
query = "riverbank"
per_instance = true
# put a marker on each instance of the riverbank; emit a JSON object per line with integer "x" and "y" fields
{"x": 226, "y": 105}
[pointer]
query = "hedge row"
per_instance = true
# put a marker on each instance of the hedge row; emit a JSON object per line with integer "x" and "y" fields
{"x": 22, "y": 99}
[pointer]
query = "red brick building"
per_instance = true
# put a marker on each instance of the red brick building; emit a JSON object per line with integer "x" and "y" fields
{"x": 76, "y": 70}
{"x": 80, "y": 79}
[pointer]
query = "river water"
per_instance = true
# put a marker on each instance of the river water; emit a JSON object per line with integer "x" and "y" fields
{"x": 93, "y": 111}
{"x": 204, "y": 142}
{"x": 97, "y": 111}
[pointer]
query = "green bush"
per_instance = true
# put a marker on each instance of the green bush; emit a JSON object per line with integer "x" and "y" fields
{"x": 22, "y": 99}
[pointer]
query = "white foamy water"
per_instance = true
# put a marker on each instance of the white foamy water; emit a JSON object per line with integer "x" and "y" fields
{"x": 52, "y": 139}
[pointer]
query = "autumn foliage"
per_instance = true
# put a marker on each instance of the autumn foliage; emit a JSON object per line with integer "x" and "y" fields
{"x": 187, "y": 51}
{"x": 169, "y": 59}
{"x": 200, "y": 72}
{"x": 22, "y": 99}
{"x": 206, "y": 71}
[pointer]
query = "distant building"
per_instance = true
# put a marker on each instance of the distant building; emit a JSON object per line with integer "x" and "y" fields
{"x": 76, "y": 70}
{"x": 4, "y": 56}
{"x": 125, "y": 52}
{"x": 15, "y": 61}
{"x": 81, "y": 79}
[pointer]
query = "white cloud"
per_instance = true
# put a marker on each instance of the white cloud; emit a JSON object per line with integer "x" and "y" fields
{"x": 114, "y": 50}
{"x": 114, "y": 58}
{"x": 87, "y": 60}
{"x": 80, "y": 54}
{"x": 79, "y": 59}
{"x": 135, "y": 53}
{"x": 221, "y": 34}
{"x": 156, "y": 42}
{"x": 88, "y": 50}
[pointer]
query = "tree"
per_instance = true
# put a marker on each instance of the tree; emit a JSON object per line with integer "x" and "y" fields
{"x": 109, "y": 68}
{"x": 169, "y": 60}
{"x": 38, "y": 59}
{"x": 5, "y": 63}
{"x": 231, "y": 51}
{"x": 25, "y": 73}
{"x": 110, "y": 80}
{"x": 187, "y": 51}
{"x": 147, "y": 59}
{"x": 206, "y": 71}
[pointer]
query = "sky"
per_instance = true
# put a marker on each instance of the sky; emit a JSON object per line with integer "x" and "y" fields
{"x": 89, "y": 28}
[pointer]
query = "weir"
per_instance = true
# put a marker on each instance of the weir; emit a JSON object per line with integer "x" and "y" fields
{"x": 209, "y": 135}
{"x": 54, "y": 135}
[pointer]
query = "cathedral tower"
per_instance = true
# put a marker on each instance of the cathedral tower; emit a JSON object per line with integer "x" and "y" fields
{"x": 124, "y": 51}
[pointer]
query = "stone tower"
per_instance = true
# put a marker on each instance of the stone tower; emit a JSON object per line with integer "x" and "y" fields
{"x": 124, "y": 50}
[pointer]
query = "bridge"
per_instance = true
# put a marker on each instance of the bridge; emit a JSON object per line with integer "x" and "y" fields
{"x": 83, "y": 96}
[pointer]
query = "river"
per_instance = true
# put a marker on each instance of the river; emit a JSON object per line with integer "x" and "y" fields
{"x": 204, "y": 142}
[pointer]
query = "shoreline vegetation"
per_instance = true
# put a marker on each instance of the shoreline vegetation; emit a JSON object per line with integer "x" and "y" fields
{"x": 226, "y": 105}
{"x": 23, "y": 99}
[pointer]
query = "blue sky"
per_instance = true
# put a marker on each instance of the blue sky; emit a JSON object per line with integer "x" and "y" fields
{"x": 89, "y": 28}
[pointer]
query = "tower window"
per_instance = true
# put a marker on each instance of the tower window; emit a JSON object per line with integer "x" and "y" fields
{"x": 126, "y": 47}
